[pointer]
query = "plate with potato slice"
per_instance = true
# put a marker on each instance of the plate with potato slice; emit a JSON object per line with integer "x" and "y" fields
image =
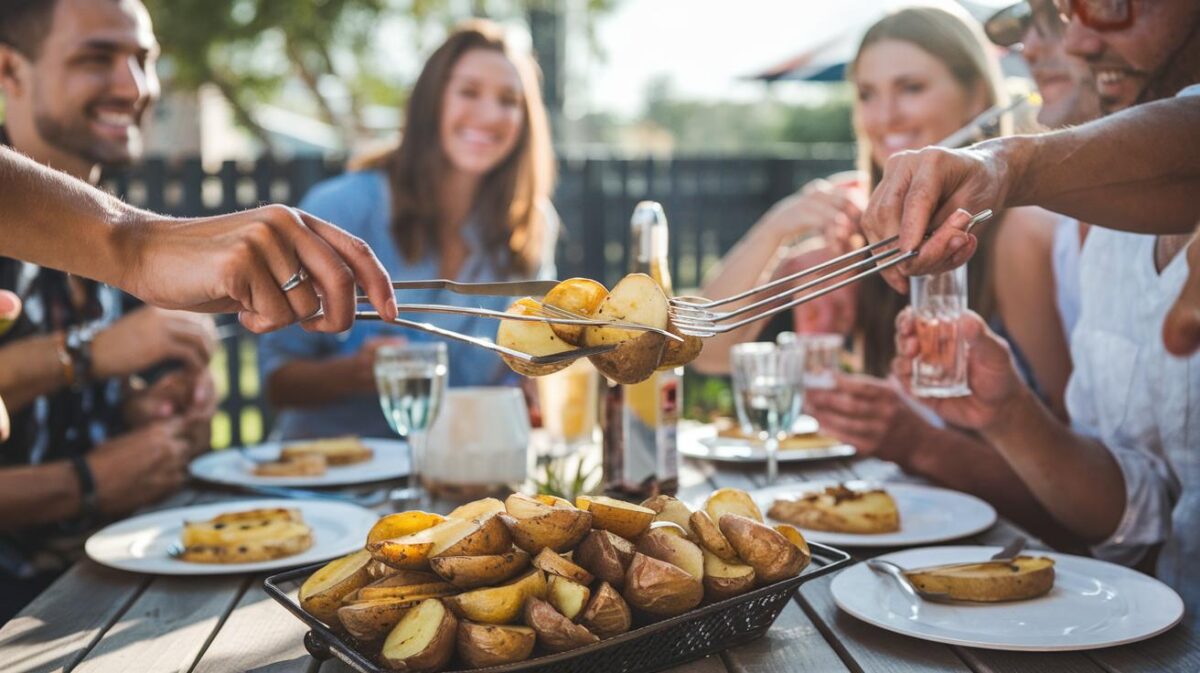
{"x": 153, "y": 542}
{"x": 716, "y": 441}
{"x": 1089, "y": 604}
{"x": 871, "y": 514}
{"x": 341, "y": 461}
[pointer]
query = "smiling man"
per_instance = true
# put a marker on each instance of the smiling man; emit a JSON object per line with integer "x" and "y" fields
{"x": 87, "y": 441}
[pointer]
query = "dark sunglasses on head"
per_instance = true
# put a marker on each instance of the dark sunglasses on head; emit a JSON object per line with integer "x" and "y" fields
{"x": 1100, "y": 15}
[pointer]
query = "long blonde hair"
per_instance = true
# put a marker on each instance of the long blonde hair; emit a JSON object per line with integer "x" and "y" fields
{"x": 508, "y": 204}
{"x": 958, "y": 42}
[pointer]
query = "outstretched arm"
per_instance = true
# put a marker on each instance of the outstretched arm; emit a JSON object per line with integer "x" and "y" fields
{"x": 235, "y": 262}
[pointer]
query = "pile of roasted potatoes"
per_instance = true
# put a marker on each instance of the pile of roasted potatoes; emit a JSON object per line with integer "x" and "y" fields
{"x": 636, "y": 299}
{"x": 492, "y": 582}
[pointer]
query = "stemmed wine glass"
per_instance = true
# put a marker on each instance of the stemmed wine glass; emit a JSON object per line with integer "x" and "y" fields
{"x": 411, "y": 380}
{"x": 768, "y": 384}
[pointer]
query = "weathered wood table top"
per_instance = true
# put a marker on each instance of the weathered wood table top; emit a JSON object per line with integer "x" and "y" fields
{"x": 95, "y": 619}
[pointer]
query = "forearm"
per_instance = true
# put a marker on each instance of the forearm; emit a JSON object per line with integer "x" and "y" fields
{"x": 37, "y": 494}
{"x": 1135, "y": 171}
{"x": 56, "y": 221}
{"x": 308, "y": 383}
{"x": 1075, "y": 478}
{"x": 30, "y": 368}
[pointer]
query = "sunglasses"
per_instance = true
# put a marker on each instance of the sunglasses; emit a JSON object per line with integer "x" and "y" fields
{"x": 1008, "y": 27}
{"x": 1100, "y": 15}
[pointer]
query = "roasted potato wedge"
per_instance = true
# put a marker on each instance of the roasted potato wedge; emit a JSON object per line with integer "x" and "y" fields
{"x": 411, "y": 592}
{"x": 412, "y": 552}
{"x": 731, "y": 501}
{"x": 606, "y": 614}
{"x": 521, "y": 506}
{"x": 567, "y": 596}
{"x": 676, "y": 353}
{"x": 637, "y": 298}
{"x": 476, "y": 510}
{"x": 605, "y": 555}
{"x": 534, "y": 338}
{"x": 988, "y": 582}
{"x": 797, "y": 539}
{"x": 379, "y": 570}
{"x": 481, "y": 645}
{"x": 491, "y": 537}
{"x": 469, "y": 572}
{"x": 669, "y": 508}
{"x": 560, "y": 529}
{"x": 322, "y": 593}
{"x": 555, "y": 564}
{"x": 841, "y": 509}
{"x": 705, "y": 531}
{"x": 723, "y": 579}
{"x": 555, "y": 633}
{"x": 423, "y": 640}
{"x": 674, "y": 549}
{"x": 401, "y": 524}
{"x": 763, "y": 548}
{"x": 369, "y": 620}
{"x": 622, "y": 518}
{"x": 499, "y": 605}
{"x": 660, "y": 588}
{"x": 581, "y": 296}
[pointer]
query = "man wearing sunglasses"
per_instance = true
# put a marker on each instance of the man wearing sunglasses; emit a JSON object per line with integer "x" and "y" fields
{"x": 1126, "y": 475}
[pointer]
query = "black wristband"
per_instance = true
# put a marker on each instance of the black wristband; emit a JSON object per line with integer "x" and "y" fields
{"x": 89, "y": 503}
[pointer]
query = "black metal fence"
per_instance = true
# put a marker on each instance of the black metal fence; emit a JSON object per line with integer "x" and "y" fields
{"x": 710, "y": 202}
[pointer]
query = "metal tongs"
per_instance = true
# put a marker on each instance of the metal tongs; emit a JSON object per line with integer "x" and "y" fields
{"x": 691, "y": 316}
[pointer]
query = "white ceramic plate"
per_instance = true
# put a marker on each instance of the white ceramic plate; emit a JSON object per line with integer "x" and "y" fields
{"x": 230, "y": 468}
{"x": 927, "y": 514}
{"x": 141, "y": 544}
{"x": 700, "y": 440}
{"x": 1093, "y": 604}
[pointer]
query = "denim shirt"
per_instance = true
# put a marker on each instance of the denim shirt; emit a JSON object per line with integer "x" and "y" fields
{"x": 360, "y": 203}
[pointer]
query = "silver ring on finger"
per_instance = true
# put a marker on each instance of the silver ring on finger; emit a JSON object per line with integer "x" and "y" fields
{"x": 295, "y": 281}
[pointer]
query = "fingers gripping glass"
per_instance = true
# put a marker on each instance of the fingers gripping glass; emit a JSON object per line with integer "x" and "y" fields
{"x": 1099, "y": 15}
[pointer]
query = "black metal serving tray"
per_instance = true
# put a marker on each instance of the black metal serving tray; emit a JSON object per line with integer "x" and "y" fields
{"x": 693, "y": 635}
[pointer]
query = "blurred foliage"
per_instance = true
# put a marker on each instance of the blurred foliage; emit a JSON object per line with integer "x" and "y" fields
{"x": 733, "y": 126}
{"x": 706, "y": 397}
{"x": 250, "y": 49}
{"x": 568, "y": 477}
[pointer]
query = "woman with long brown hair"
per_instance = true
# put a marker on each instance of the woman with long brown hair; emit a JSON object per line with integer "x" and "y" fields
{"x": 465, "y": 196}
{"x": 920, "y": 73}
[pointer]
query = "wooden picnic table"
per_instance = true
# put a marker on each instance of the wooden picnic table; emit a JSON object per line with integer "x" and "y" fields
{"x": 94, "y": 619}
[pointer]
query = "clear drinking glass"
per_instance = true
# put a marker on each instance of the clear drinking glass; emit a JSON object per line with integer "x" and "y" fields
{"x": 822, "y": 360}
{"x": 938, "y": 302}
{"x": 768, "y": 386}
{"x": 568, "y": 400}
{"x": 411, "y": 380}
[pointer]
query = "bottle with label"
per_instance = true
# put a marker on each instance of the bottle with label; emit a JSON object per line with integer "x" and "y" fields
{"x": 640, "y": 420}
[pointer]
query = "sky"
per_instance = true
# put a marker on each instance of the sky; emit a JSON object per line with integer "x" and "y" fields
{"x": 706, "y": 46}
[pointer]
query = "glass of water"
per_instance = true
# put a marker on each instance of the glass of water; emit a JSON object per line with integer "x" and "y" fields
{"x": 768, "y": 385}
{"x": 411, "y": 380}
{"x": 938, "y": 302}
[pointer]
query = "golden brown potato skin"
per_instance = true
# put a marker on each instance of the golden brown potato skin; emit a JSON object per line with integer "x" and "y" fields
{"x": 369, "y": 620}
{"x": 607, "y": 614}
{"x": 469, "y": 572}
{"x": 659, "y": 588}
{"x": 555, "y": 633}
{"x": 677, "y": 354}
{"x": 705, "y": 531}
{"x": 605, "y": 555}
{"x": 554, "y": 563}
{"x": 1026, "y": 577}
{"x": 633, "y": 361}
{"x": 322, "y": 593}
{"x": 482, "y": 645}
{"x": 560, "y": 529}
{"x": 763, "y": 548}
{"x": 581, "y": 296}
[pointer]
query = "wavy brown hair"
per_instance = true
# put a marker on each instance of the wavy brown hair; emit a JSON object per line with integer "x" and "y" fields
{"x": 508, "y": 202}
{"x": 958, "y": 43}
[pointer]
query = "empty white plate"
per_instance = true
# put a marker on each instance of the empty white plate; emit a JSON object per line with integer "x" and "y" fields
{"x": 1093, "y": 604}
{"x": 231, "y": 468}
{"x": 928, "y": 514}
{"x": 142, "y": 544}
